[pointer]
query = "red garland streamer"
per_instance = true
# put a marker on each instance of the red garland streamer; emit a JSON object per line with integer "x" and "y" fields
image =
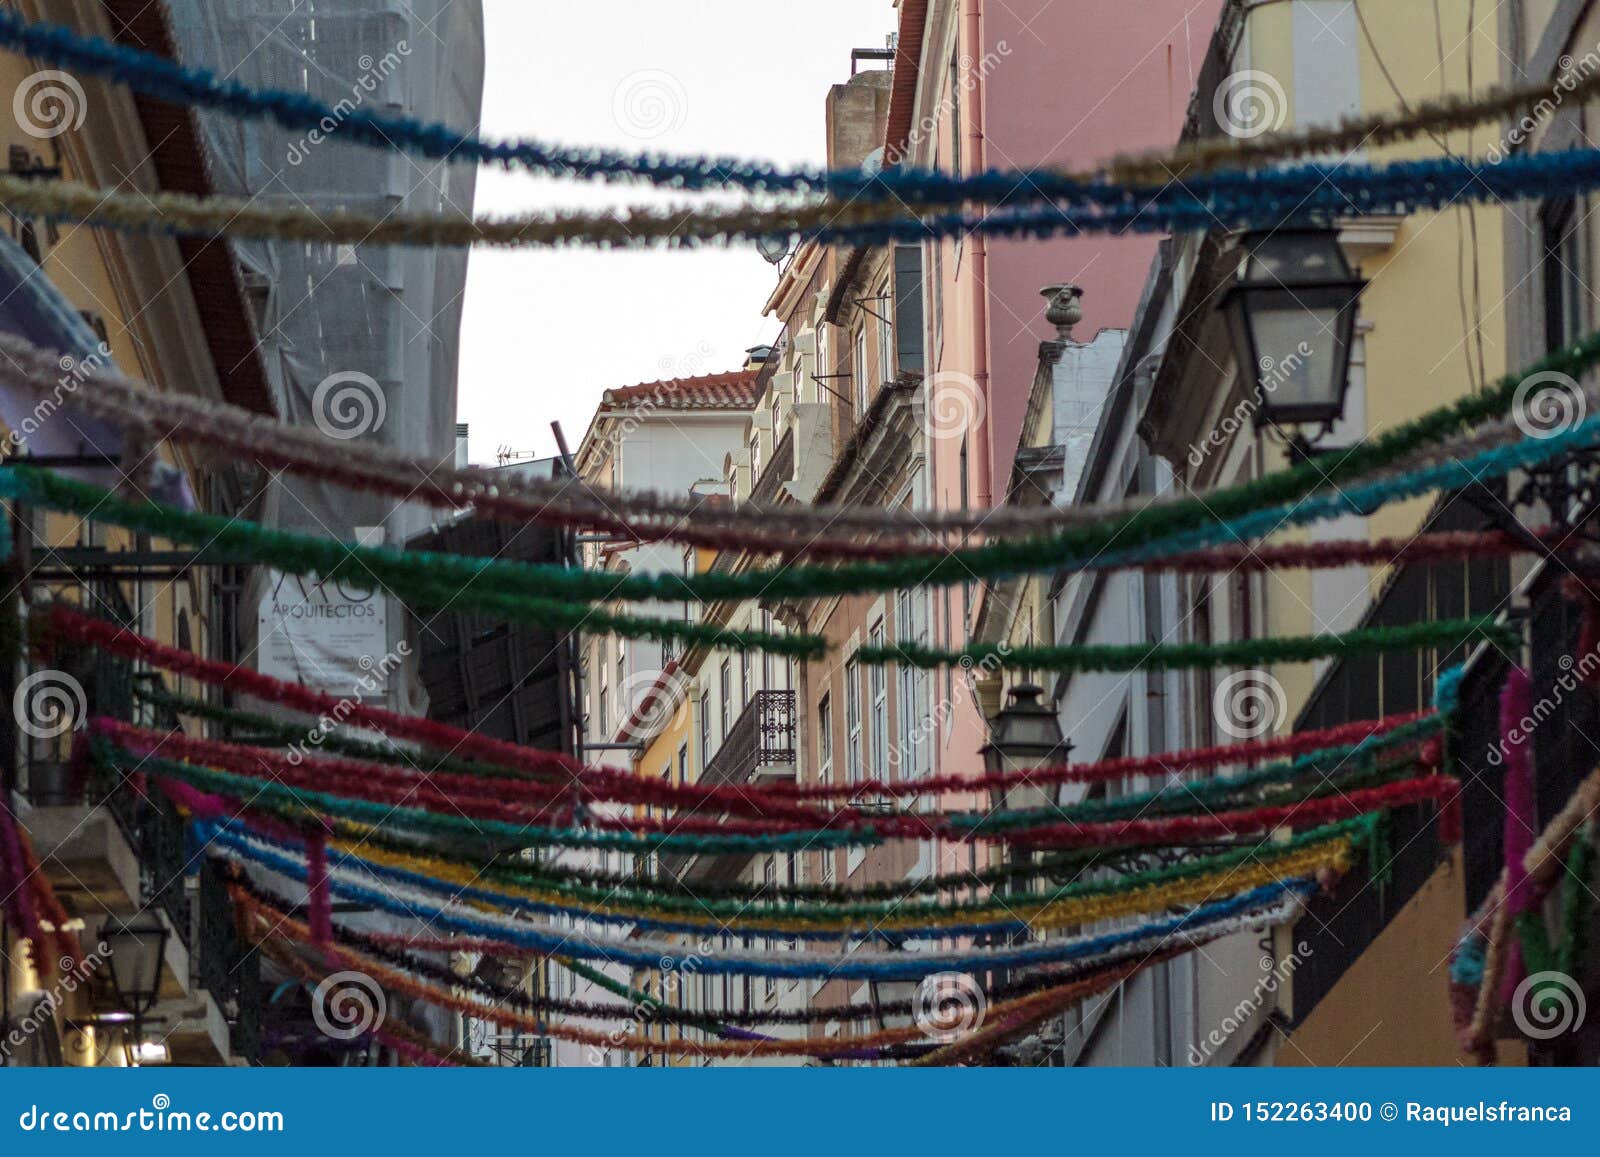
{"x": 1161, "y": 764}
{"x": 319, "y": 899}
{"x": 1197, "y": 829}
{"x": 1175, "y": 830}
{"x": 1442, "y": 546}
{"x": 441, "y": 792}
{"x": 778, "y": 801}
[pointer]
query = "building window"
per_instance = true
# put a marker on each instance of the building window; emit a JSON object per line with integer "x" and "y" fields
{"x": 911, "y": 628}
{"x": 727, "y": 697}
{"x": 852, "y": 722}
{"x": 622, "y": 663}
{"x": 1562, "y": 273}
{"x": 955, "y": 113}
{"x": 949, "y": 629}
{"x": 878, "y": 703}
{"x": 863, "y": 390}
{"x": 755, "y": 459}
{"x": 766, "y": 656}
{"x": 605, "y": 712}
{"x": 705, "y": 730}
{"x": 683, "y": 763}
{"x": 885, "y": 336}
{"x": 769, "y": 877}
{"x": 825, "y": 739}
{"x": 907, "y": 308}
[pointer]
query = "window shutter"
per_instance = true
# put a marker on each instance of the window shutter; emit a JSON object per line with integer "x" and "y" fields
{"x": 908, "y": 308}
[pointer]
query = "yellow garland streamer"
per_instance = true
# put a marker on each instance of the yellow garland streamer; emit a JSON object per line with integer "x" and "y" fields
{"x": 1334, "y": 853}
{"x": 237, "y": 217}
{"x": 266, "y": 923}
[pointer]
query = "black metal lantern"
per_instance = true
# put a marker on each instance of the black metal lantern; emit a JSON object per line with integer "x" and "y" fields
{"x": 1293, "y": 315}
{"x": 136, "y": 954}
{"x": 1023, "y": 736}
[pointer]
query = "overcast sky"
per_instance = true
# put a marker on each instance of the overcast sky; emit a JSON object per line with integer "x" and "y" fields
{"x": 546, "y": 333}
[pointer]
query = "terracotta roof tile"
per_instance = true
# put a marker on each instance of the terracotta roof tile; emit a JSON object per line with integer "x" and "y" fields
{"x": 731, "y": 391}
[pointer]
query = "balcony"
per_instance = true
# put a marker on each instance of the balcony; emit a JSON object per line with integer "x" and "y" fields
{"x": 760, "y": 744}
{"x": 109, "y": 852}
{"x": 759, "y": 748}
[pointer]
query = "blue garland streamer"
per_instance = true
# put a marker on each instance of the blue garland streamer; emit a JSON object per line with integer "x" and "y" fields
{"x": 915, "y": 966}
{"x": 1367, "y": 499}
{"x": 1071, "y": 205}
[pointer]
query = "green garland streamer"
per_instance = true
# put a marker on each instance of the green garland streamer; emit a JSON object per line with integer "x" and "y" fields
{"x": 1169, "y": 799}
{"x": 1534, "y": 937}
{"x": 226, "y": 539}
{"x": 296, "y": 801}
{"x": 1366, "y": 773}
{"x": 283, "y": 734}
{"x": 1575, "y": 904}
{"x": 1449, "y": 633}
{"x": 1054, "y": 866}
{"x": 515, "y": 590}
{"x": 1266, "y": 851}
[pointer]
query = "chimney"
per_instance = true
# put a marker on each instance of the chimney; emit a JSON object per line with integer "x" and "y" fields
{"x": 856, "y": 113}
{"x": 756, "y": 356}
{"x": 462, "y": 460}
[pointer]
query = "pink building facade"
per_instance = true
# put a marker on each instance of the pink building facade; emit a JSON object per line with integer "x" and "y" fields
{"x": 982, "y": 84}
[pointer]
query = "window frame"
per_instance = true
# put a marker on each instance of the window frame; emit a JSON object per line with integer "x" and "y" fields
{"x": 878, "y": 708}
{"x": 853, "y": 767}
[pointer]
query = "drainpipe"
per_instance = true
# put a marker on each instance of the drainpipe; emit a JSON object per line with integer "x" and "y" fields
{"x": 974, "y": 155}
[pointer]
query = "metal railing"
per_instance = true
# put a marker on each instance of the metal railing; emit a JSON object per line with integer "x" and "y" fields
{"x": 762, "y": 736}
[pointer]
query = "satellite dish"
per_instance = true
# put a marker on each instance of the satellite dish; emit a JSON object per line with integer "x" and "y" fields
{"x": 774, "y": 249}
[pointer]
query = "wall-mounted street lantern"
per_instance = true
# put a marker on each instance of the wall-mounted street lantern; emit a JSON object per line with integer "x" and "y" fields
{"x": 137, "y": 950}
{"x": 1293, "y": 314}
{"x": 1023, "y": 736}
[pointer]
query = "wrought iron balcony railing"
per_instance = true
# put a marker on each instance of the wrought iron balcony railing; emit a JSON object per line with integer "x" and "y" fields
{"x": 762, "y": 737}
{"x": 761, "y": 742}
